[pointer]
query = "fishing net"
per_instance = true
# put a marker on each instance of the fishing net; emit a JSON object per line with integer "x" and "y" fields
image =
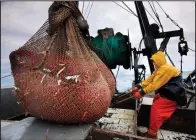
{"x": 57, "y": 76}
{"x": 114, "y": 50}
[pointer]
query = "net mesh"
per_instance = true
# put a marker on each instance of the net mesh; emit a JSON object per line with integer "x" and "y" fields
{"x": 57, "y": 76}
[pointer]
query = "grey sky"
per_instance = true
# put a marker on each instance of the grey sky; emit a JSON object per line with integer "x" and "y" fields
{"x": 20, "y": 20}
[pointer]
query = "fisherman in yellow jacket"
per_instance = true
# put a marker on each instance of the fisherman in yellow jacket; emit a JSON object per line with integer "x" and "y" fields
{"x": 167, "y": 81}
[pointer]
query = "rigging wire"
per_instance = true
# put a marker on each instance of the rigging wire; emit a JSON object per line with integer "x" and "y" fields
{"x": 90, "y": 9}
{"x": 168, "y": 16}
{"x": 117, "y": 71}
{"x": 153, "y": 6}
{"x": 156, "y": 14}
{"x": 87, "y": 8}
{"x": 139, "y": 48}
{"x": 129, "y": 9}
{"x": 191, "y": 49}
{"x": 83, "y": 7}
{"x": 162, "y": 29}
{"x": 151, "y": 15}
{"x": 122, "y": 7}
{"x": 6, "y": 76}
{"x": 169, "y": 58}
{"x": 181, "y": 64}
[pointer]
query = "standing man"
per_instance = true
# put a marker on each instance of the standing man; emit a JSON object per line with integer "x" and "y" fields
{"x": 167, "y": 81}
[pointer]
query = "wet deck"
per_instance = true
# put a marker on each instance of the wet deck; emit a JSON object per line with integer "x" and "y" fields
{"x": 170, "y": 135}
{"x": 120, "y": 120}
{"x": 123, "y": 120}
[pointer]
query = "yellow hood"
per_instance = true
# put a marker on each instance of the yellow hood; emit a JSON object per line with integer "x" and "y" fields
{"x": 163, "y": 73}
{"x": 159, "y": 59}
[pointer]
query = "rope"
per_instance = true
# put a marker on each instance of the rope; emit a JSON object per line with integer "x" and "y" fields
{"x": 156, "y": 14}
{"x": 130, "y": 9}
{"x": 154, "y": 7}
{"x": 169, "y": 58}
{"x": 122, "y": 7}
{"x": 82, "y": 7}
{"x": 158, "y": 18}
{"x": 87, "y": 8}
{"x": 191, "y": 49}
{"x": 117, "y": 71}
{"x": 90, "y": 9}
{"x": 181, "y": 64}
{"x": 151, "y": 15}
{"x": 168, "y": 16}
{"x": 6, "y": 76}
{"x": 162, "y": 29}
{"x": 139, "y": 48}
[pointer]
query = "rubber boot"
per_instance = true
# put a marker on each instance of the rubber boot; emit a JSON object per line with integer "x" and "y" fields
{"x": 145, "y": 134}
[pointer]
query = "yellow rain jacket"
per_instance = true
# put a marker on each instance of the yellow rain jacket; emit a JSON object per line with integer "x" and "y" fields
{"x": 162, "y": 74}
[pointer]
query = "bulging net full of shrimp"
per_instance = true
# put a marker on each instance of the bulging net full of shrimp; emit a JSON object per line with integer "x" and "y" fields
{"x": 57, "y": 76}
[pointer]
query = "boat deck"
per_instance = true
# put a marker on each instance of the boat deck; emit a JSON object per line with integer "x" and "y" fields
{"x": 121, "y": 120}
{"x": 116, "y": 120}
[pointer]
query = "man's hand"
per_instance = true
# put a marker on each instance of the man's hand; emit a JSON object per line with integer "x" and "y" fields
{"x": 137, "y": 95}
{"x": 136, "y": 88}
{"x": 137, "y": 92}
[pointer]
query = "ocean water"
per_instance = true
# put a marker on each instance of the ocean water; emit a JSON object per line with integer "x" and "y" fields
{"x": 124, "y": 79}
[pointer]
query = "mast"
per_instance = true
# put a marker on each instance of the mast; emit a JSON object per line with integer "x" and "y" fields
{"x": 147, "y": 34}
{"x": 149, "y": 38}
